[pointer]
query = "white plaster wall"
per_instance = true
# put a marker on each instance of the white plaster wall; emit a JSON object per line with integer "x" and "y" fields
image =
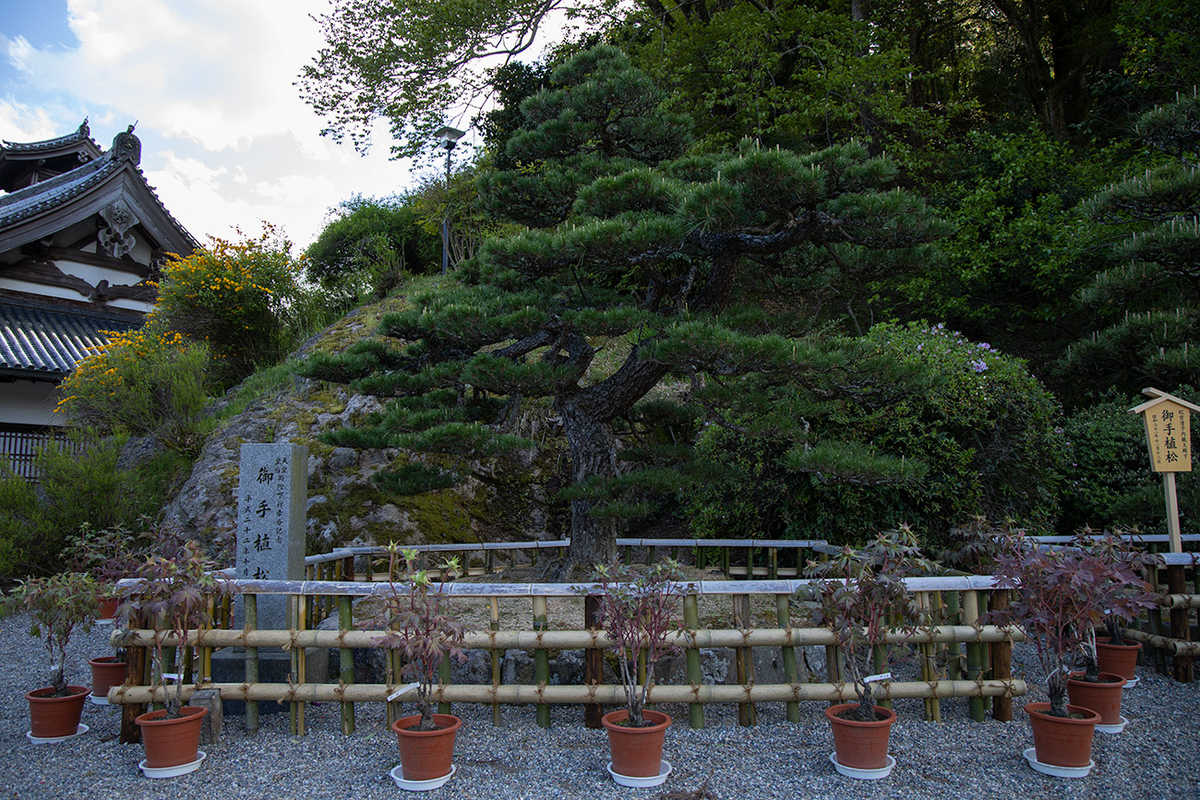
{"x": 28, "y": 403}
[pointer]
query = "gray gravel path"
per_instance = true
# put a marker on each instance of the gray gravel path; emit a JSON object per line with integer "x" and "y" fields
{"x": 1158, "y": 755}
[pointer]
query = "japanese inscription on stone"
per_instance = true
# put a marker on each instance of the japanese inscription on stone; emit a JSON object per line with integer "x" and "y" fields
{"x": 272, "y": 491}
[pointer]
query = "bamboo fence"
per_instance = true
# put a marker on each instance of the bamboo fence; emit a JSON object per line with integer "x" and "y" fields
{"x": 958, "y": 657}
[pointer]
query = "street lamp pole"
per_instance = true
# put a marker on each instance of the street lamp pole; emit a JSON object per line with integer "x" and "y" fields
{"x": 448, "y": 137}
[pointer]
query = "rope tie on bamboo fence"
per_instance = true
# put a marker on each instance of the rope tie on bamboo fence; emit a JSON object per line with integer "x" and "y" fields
{"x": 292, "y": 695}
{"x": 294, "y": 640}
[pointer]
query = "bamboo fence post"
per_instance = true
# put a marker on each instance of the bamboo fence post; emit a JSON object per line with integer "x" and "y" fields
{"x": 1155, "y": 615}
{"x": 1001, "y": 662}
{"x": 970, "y": 613}
{"x": 833, "y": 666}
{"x": 541, "y": 660}
{"x": 346, "y": 661}
{"x": 593, "y": 661}
{"x": 137, "y": 662}
{"x": 953, "y": 611}
{"x": 773, "y": 563}
{"x": 1181, "y": 665}
{"x": 879, "y": 654}
{"x": 691, "y": 622}
{"x": 929, "y": 670}
{"x": 296, "y": 707}
{"x": 783, "y": 617}
{"x": 311, "y": 572}
{"x": 206, "y": 652}
{"x": 744, "y": 657}
{"x": 250, "y": 605}
{"x": 444, "y": 679}
{"x": 494, "y": 625}
{"x": 750, "y": 563}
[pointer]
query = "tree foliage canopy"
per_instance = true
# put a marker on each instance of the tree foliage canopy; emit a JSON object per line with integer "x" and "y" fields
{"x": 660, "y": 257}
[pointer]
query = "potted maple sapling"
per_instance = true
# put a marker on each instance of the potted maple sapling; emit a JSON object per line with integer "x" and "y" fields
{"x": 1061, "y": 594}
{"x": 637, "y": 610}
{"x": 173, "y": 595}
{"x": 57, "y": 606}
{"x": 110, "y": 554}
{"x": 425, "y": 632}
{"x": 861, "y": 596}
{"x": 1112, "y": 652}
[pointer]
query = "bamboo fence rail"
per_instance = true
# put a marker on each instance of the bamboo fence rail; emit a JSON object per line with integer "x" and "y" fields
{"x": 957, "y": 656}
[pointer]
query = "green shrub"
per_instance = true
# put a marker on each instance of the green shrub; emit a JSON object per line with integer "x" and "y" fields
{"x": 970, "y": 432}
{"x": 78, "y": 487}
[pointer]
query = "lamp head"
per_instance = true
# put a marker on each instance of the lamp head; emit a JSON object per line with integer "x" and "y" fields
{"x": 448, "y": 136}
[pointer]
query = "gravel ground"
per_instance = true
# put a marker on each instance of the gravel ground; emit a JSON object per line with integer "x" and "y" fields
{"x": 1158, "y": 755}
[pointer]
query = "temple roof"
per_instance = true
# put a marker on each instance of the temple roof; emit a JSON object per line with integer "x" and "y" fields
{"x": 43, "y": 208}
{"x": 45, "y": 339}
{"x": 23, "y": 163}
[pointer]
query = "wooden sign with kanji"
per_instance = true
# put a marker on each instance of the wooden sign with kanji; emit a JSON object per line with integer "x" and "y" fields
{"x": 1168, "y": 431}
{"x": 1169, "y": 435}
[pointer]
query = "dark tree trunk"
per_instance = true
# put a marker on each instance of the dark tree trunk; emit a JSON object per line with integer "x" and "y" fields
{"x": 593, "y": 450}
{"x": 586, "y": 416}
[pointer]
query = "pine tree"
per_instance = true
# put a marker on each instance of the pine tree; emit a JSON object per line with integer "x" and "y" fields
{"x": 673, "y": 263}
{"x": 1148, "y": 303}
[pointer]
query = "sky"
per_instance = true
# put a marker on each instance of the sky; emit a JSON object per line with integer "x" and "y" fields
{"x": 226, "y": 141}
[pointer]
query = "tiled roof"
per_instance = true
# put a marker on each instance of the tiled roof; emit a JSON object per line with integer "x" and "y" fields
{"x": 16, "y": 206}
{"x": 83, "y": 134}
{"x": 42, "y": 338}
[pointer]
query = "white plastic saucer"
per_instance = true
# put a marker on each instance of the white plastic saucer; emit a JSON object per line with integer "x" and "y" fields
{"x": 1051, "y": 769}
{"x": 98, "y": 700}
{"x": 1131, "y": 682}
{"x": 863, "y": 774}
{"x": 175, "y": 771}
{"x": 80, "y": 731}
{"x": 397, "y": 774}
{"x": 108, "y": 621}
{"x": 1116, "y": 727}
{"x": 664, "y": 769}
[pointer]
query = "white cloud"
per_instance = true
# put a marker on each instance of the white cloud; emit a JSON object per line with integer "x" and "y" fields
{"x": 226, "y": 139}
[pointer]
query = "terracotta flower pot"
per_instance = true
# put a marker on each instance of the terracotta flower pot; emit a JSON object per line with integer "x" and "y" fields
{"x": 1104, "y": 698}
{"x": 1119, "y": 659}
{"x": 1062, "y": 742}
{"x": 50, "y": 716}
{"x": 171, "y": 742}
{"x": 108, "y": 608}
{"x": 636, "y": 752}
{"x": 107, "y": 672}
{"x": 425, "y": 755}
{"x": 858, "y": 744}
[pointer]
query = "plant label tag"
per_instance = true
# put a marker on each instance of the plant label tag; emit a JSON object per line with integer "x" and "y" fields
{"x": 170, "y": 676}
{"x": 882, "y": 676}
{"x": 403, "y": 690}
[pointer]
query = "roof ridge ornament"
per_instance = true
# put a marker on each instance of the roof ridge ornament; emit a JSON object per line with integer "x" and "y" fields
{"x": 126, "y": 146}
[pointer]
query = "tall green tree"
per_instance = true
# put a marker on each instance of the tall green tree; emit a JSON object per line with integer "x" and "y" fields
{"x": 368, "y": 245}
{"x": 638, "y": 263}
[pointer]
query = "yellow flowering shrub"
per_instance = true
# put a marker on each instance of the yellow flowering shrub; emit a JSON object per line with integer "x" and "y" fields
{"x": 241, "y": 297}
{"x": 144, "y": 381}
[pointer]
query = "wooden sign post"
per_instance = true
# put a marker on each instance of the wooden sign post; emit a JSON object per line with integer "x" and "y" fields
{"x": 1169, "y": 437}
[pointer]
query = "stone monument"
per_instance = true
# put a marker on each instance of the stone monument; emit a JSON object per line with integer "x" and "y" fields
{"x": 272, "y": 493}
